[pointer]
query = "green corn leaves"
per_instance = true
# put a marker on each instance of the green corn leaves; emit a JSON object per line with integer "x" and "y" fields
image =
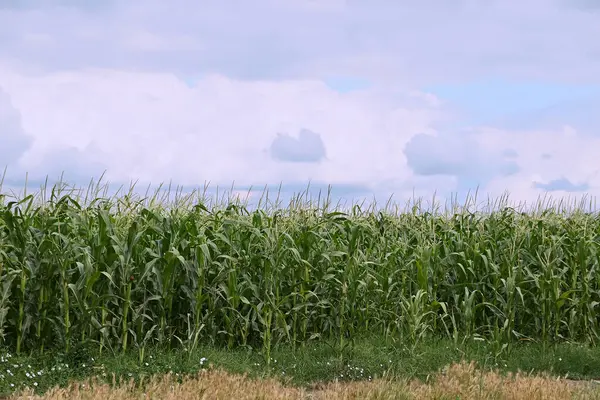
{"x": 126, "y": 272}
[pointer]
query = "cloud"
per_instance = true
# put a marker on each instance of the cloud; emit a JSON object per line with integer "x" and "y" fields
{"x": 526, "y": 163}
{"x": 62, "y": 4}
{"x": 562, "y": 185}
{"x": 308, "y": 147}
{"x": 68, "y": 164}
{"x": 154, "y": 92}
{"x": 153, "y": 127}
{"x": 382, "y": 41}
{"x": 459, "y": 155}
{"x": 74, "y": 165}
{"x": 510, "y": 153}
{"x": 345, "y": 84}
{"x": 13, "y": 139}
{"x": 551, "y": 156}
{"x": 16, "y": 145}
{"x": 585, "y": 5}
{"x": 156, "y": 128}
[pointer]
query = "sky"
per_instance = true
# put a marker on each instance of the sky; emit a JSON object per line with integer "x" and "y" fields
{"x": 376, "y": 98}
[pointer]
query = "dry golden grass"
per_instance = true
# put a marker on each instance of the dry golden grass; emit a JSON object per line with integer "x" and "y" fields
{"x": 460, "y": 381}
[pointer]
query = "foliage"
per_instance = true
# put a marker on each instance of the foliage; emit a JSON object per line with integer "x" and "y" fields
{"x": 127, "y": 272}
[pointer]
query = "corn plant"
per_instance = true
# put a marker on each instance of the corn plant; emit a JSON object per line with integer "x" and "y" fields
{"x": 129, "y": 271}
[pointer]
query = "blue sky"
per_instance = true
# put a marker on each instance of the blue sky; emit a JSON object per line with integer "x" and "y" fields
{"x": 376, "y": 98}
{"x": 489, "y": 99}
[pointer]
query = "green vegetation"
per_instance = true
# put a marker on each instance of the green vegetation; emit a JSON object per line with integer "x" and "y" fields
{"x": 124, "y": 273}
{"x": 316, "y": 363}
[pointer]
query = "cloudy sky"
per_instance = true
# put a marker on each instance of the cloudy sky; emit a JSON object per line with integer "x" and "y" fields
{"x": 374, "y": 97}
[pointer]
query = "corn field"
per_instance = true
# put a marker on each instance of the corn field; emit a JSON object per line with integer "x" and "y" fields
{"x": 127, "y": 272}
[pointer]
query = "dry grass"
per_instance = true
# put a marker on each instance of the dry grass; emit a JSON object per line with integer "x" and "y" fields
{"x": 460, "y": 381}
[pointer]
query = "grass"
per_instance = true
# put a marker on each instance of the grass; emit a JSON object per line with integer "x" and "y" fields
{"x": 461, "y": 381}
{"x": 317, "y": 364}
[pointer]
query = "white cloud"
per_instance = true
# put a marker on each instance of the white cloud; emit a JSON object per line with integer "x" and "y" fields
{"x": 16, "y": 143}
{"x": 384, "y": 40}
{"x": 458, "y": 154}
{"x": 153, "y": 127}
{"x": 101, "y": 85}
{"x": 13, "y": 140}
{"x": 573, "y": 156}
